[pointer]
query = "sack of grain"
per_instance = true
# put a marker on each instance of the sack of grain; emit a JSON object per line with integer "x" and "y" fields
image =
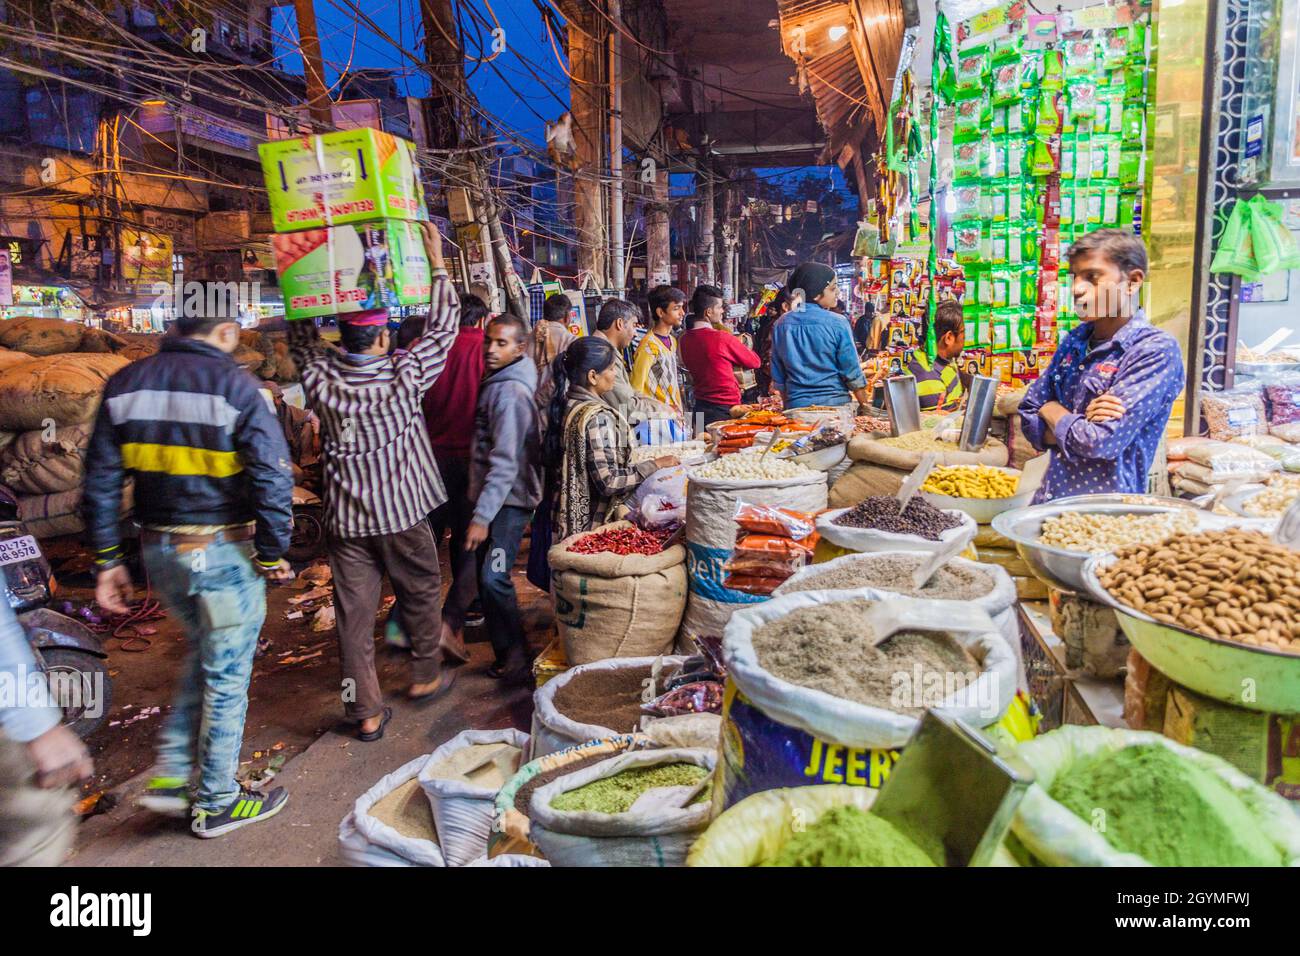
{"x": 865, "y": 481}
{"x": 1005, "y": 404}
{"x": 657, "y": 835}
{"x": 391, "y": 824}
{"x": 780, "y": 734}
{"x": 53, "y": 515}
{"x": 97, "y": 340}
{"x": 9, "y": 358}
{"x": 37, "y": 336}
{"x": 511, "y": 825}
{"x": 711, "y": 538}
{"x": 876, "y": 452}
{"x": 1053, "y": 835}
{"x": 461, "y": 792}
{"x": 552, "y": 730}
{"x": 64, "y": 388}
{"x": 33, "y": 465}
{"x": 609, "y": 605}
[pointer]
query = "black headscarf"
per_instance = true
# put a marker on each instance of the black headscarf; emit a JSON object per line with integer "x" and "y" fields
{"x": 812, "y": 278}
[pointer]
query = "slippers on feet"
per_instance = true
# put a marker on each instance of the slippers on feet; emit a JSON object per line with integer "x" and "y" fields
{"x": 378, "y": 732}
{"x": 445, "y": 679}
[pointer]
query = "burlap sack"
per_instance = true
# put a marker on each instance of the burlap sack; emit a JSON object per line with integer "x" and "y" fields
{"x": 97, "y": 340}
{"x": 9, "y": 358}
{"x": 609, "y": 605}
{"x": 871, "y": 452}
{"x": 48, "y": 516}
{"x": 33, "y": 465}
{"x": 865, "y": 481}
{"x": 41, "y": 336}
{"x": 1006, "y": 403}
{"x": 64, "y": 388}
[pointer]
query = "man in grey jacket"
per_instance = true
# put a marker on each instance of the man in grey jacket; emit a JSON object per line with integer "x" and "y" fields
{"x": 617, "y": 324}
{"x": 505, "y": 481}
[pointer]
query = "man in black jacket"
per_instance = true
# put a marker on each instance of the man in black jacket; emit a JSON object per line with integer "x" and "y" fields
{"x": 213, "y": 496}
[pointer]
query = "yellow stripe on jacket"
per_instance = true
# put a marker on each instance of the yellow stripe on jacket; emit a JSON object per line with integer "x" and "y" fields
{"x": 180, "y": 460}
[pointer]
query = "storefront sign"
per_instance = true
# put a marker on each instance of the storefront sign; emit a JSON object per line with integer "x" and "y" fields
{"x": 146, "y": 256}
{"x": 6, "y": 279}
{"x": 181, "y": 228}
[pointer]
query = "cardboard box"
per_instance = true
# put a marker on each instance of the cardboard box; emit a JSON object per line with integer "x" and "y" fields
{"x": 336, "y": 178}
{"x": 366, "y": 265}
{"x": 1265, "y": 747}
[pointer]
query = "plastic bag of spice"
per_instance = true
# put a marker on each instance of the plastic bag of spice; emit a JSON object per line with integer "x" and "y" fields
{"x": 651, "y": 833}
{"x": 770, "y": 520}
{"x": 461, "y": 791}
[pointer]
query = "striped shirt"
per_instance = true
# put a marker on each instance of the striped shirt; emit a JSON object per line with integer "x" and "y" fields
{"x": 379, "y": 472}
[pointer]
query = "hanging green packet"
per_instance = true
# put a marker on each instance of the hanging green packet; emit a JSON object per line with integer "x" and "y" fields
{"x": 970, "y": 158}
{"x": 968, "y": 241}
{"x": 1137, "y": 41}
{"x": 1128, "y": 198}
{"x": 1134, "y": 118}
{"x": 1031, "y": 70}
{"x": 1274, "y": 245}
{"x": 1052, "y": 77}
{"x": 1002, "y": 288}
{"x": 1114, "y": 47}
{"x": 1081, "y": 106}
{"x": 1108, "y": 115}
{"x": 971, "y": 200}
{"x": 1130, "y": 165}
{"x": 971, "y": 69}
{"x": 1105, "y": 160}
{"x": 1006, "y": 82}
{"x": 1235, "y": 251}
{"x": 1080, "y": 57}
{"x": 971, "y": 116}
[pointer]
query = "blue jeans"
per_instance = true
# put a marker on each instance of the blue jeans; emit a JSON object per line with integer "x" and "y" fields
{"x": 221, "y": 601}
{"x": 495, "y": 587}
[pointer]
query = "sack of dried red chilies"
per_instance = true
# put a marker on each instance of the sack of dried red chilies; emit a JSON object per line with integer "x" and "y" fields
{"x": 621, "y": 541}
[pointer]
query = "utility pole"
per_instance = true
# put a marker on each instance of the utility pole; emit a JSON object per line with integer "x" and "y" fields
{"x": 658, "y": 253}
{"x": 706, "y": 241}
{"x": 318, "y": 101}
{"x": 588, "y": 109}
{"x": 617, "y": 279}
{"x": 452, "y": 124}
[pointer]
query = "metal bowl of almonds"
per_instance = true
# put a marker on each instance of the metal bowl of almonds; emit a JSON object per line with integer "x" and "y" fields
{"x": 1057, "y": 539}
{"x": 1233, "y": 635}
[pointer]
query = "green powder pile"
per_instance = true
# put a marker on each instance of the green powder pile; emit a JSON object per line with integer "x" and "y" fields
{"x": 1168, "y": 811}
{"x": 617, "y": 793}
{"x": 847, "y": 836}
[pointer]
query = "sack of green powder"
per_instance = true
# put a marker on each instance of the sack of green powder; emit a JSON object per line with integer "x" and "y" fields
{"x": 391, "y": 824}
{"x": 1252, "y": 825}
{"x": 610, "y": 605}
{"x": 511, "y": 825}
{"x": 657, "y": 830}
{"x": 553, "y": 729}
{"x": 777, "y": 733}
{"x": 461, "y": 780}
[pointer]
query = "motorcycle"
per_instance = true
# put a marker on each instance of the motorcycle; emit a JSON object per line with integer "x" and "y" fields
{"x": 69, "y": 653}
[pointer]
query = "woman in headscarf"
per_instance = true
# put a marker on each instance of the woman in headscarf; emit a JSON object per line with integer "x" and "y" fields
{"x": 814, "y": 361}
{"x": 588, "y": 443}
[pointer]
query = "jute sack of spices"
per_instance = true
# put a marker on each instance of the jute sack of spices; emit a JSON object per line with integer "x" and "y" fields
{"x": 610, "y": 605}
{"x": 776, "y": 733}
{"x": 1051, "y": 834}
{"x": 41, "y": 463}
{"x": 52, "y": 515}
{"x": 880, "y": 469}
{"x": 655, "y": 836}
{"x": 10, "y": 358}
{"x": 511, "y": 826}
{"x": 37, "y": 336}
{"x": 711, "y": 538}
{"x": 366, "y": 840}
{"x": 64, "y": 388}
{"x": 552, "y": 730}
{"x": 462, "y": 811}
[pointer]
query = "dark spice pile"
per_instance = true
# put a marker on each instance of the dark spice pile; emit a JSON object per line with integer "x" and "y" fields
{"x": 605, "y": 698}
{"x": 880, "y": 513}
{"x": 524, "y": 795}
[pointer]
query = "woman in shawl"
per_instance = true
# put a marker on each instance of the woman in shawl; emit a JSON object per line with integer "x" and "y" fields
{"x": 588, "y": 443}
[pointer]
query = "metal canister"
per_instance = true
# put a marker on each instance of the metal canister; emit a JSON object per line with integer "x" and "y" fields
{"x": 979, "y": 412}
{"x": 902, "y": 404}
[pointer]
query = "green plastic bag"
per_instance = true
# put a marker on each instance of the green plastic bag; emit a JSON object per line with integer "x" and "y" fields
{"x": 1236, "y": 254}
{"x": 1274, "y": 246}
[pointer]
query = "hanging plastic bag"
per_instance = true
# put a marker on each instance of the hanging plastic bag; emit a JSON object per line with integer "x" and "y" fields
{"x": 1274, "y": 246}
{"x": 1236, "y": 253}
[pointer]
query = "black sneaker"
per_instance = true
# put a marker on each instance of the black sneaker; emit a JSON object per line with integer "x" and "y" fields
{"x": 249, "y": 807}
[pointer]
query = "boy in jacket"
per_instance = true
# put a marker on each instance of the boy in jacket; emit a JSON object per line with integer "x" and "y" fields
{"x": 505, "y": 480}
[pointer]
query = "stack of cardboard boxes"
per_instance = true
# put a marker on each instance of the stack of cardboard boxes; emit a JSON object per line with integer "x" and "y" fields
{"x": 345, "y": 207}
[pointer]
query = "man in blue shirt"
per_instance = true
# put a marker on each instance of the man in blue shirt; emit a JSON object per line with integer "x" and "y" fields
{"x": 1102, "y": 405}
{"x": 814, "y": 361}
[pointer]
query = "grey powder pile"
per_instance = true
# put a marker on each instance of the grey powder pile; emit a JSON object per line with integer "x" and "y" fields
{"x": 893, "y": 572}
{"x": 823, "y": 648}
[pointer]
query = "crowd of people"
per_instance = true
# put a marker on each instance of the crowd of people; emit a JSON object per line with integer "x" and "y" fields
{"x": 463, "y": 432}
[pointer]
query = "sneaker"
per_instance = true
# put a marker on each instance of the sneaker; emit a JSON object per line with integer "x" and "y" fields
{"x": 249, "y": 807}
{"x": 169, "y": 796}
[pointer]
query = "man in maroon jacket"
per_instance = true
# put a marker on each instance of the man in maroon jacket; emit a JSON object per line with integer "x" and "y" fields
{"x": 711, "y": 356}
{"x": 449, "y": 415}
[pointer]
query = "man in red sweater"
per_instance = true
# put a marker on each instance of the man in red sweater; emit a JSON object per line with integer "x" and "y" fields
{"x": 711, "y": 356}
{"x": 449, "y": 417}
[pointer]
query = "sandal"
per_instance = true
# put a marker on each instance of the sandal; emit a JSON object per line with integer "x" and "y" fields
{"x": 373, "y": 735}
{"x": 444, "y": 680}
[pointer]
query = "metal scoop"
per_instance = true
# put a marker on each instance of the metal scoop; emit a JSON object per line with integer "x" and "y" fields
{"x": 953, "y": 791}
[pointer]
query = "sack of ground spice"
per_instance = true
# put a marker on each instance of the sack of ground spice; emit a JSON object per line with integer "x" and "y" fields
{"x": 1163, "y": 804}
{"x": 643, "y": 808}
{"x": 391, "y": 824}
{"x": 602, "y": 699}
{"x": 461, "y": 780}
{"x": 610, "y": 604}
{"x": 511, "y": 825}
{"x": 874, "y": 524}
{"x": 811, "y": 702}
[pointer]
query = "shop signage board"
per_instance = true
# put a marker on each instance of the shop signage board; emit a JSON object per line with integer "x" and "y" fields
{"x": 180, "y": 227}
{"x": 146, "y": 256}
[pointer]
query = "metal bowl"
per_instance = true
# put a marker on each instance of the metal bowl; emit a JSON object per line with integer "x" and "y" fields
{"x": 1223, "y": 670}
{"x": 983, "y": 510}
{"x": 1056, "y": 566}
{"x": 1159, "y": 501}
{"x": 1236, "y": 502}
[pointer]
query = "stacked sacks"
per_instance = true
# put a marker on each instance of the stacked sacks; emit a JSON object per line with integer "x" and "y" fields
{"x": 37, "y": 336}
{"x": 880, "y": 469}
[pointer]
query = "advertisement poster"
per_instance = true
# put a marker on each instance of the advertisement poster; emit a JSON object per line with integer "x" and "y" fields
{"x": 6, "y": 279}
{"x": 146, "y": 256}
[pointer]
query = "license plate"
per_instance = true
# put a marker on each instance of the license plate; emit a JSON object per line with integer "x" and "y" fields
{"x": 19, "y": 549}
